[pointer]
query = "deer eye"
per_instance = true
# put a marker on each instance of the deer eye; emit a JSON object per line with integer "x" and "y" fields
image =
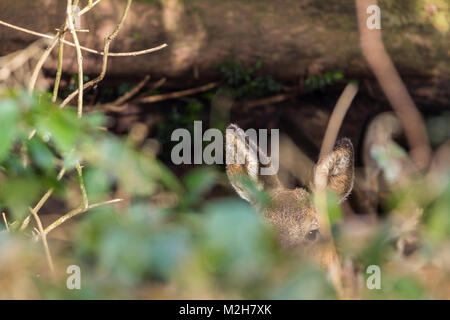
{"x": 312, "y": 235}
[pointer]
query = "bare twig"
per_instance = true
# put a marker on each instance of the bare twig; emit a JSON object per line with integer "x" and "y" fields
{"x": 6, "y": 221}
{"x": 330, "y": 257}
{"x": 116, "y": 107}
{"x": 108, "y": 41}
{"x": 75, "y": 212}
{"x": 110, "y": 54}
{"x": 16, "y": 60}
{"x": 158, "y": 84}
{"x": 60, "y": 33}
{"x": 39, "y": 65}
{"x": 43, "y": 200}
{"x": 335, "y": 122}
{"x": 127, "y": 96}
{"x": 85, "y": 202}
{"x": 59, "y": 68}
{"x": 393, "y": 87}
{"x": 178, "y": 94}
{"x": 261, "y": 102}
{"x": 88, "y": 7}
{"x": 44, "y": 239}
{"x": 79, "y": 57}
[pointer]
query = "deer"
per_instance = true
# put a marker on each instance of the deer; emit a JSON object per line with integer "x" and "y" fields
{"x": 296, "y": 220}
{"x": 291, "y": 211}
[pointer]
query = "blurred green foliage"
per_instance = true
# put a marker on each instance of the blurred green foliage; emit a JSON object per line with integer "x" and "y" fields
{"x": 438, "y": 128}
{"x": 28, "y": 166}
{"x": 191, "y": 248}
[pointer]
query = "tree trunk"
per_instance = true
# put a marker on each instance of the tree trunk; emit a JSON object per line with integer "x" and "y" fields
{"x": 292, "y": 38}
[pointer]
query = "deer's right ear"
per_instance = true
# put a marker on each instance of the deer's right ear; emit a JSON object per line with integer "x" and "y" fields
{"x": 242, "y": 163}
{"x": 336, "y": 170}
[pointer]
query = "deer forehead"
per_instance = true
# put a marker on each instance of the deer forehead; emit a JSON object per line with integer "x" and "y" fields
{"x": 292, "y": 206}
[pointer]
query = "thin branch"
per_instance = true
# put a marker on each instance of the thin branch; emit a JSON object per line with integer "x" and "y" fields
{"x": 44, "y": 239}
{"x": 110, "y": 54}
{"x": 38, "y": 34}
{"x": 59, "y": 68}
{"x": 79, "y": 57}
{"x": 88, "y": 7}
{"x": 14, "y": 61}
{"x": 39, "y": 65}
{"x": 126, "y": 54}
{"x": 265, "y": 101}
{"x": 85, "y": 202}
{"x": 330, "y": 257}
{"x": 43, "y": 200}
{"x": 178, "y": 94}
{"x": 6, "y": 221}
{"x": 127, "y": 96}
{"x": 108, "y": 41}
{"x": 115, "y": 107}
{"x": 75, "y": 212}
{"x": 335, "y": 122}
{"x": 45, "y": 55}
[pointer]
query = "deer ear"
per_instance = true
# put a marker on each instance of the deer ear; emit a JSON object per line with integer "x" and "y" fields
{"x": 243, "y": 163}
{"x": 336, "y": 170}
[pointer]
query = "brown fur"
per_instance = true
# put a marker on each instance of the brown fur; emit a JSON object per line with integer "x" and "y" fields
{"x": 291, "y": 211}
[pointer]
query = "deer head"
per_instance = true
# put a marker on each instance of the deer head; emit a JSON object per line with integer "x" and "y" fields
{"x": 290, "y": 210}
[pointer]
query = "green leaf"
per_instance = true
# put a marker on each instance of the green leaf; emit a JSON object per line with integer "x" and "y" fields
{"x": 97, "y": 182}
{"x": 408, "y": 288}
{"x": 41, "y": 154}
{"x": 63, "y": 127}
{"x": 438, "y": 220}
{"x": 198, "y": 182}
{"x": 19, "y": 194}
{"x": 9, "y": 115}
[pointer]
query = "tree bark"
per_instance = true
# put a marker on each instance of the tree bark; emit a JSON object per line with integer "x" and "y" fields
{"x": 292, "y": 38}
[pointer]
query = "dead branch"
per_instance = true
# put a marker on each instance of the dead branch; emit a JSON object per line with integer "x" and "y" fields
{"x": 110, "y": 54}
{"x": 75, "y": 212}
{"x": 91, "y": 83}
{"x": 335, "y": 122}
{"x": 42, "y": 201}
{"x": 178, "y": 94}
{"x": 59, "y": 67}
{"x": 17, "y": 62}
{"x": 393, "y": 87}
{"x": 88, "y": 7}
{"x": 127, "y": 96}
{"x": 119, "y": 106}
{"x": 79, "y": 57}
{"x": 44, "y": 239}
{"x": 265, "y": 101}
{"x": 39, "y": 65}
{"x": 6, "y": 221}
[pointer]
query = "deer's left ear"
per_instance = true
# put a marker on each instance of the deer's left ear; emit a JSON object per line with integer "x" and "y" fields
{"x": 244, "y": 160}
{"x": 336, "y": 170}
